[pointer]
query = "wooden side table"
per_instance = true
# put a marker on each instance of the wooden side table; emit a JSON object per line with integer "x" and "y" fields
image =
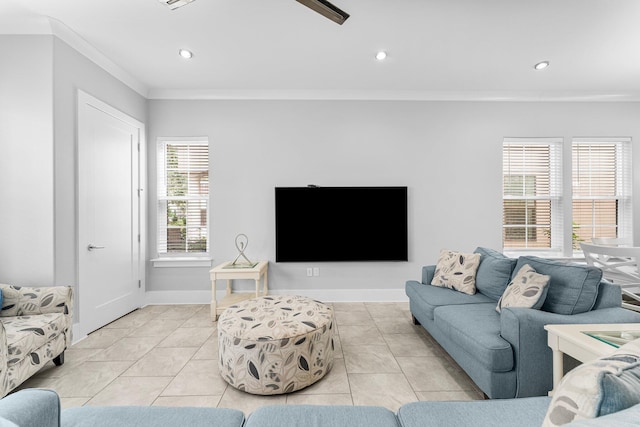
{"x": 219, "y": 272}
{"x": 572, "y": 340}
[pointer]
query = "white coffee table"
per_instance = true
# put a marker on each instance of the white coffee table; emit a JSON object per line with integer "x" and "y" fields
{"x": 572, "y": 340}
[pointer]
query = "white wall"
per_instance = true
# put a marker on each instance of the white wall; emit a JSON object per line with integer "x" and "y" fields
{"x": 26, "y": 166}
{"x": 449, "y": 154}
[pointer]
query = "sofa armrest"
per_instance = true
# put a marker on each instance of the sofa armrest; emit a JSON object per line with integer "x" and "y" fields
{"x": 31, "y": 407}
{"x": 25, "y": 301}
{"x": 609, "y": 295}
{"x": 427, "y": 274}
{"x": 524, "y": 329}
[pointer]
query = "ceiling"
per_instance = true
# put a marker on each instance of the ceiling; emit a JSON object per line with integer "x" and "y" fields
{"x": 437, "y": 49}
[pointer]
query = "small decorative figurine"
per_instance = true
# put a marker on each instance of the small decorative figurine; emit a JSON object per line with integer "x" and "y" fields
{"x": 242, "y": 241}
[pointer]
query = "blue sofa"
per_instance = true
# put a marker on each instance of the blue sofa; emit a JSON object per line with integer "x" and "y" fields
{"x": 41, "y": 408}
{"x": 506, "y": 354}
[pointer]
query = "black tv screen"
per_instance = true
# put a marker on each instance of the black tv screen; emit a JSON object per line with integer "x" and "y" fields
{"x": 341, "y": 224}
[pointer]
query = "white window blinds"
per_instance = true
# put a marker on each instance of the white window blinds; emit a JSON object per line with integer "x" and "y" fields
{"x": 532, "y": 189}
{"x": 601, "y": 189}
{"x": 183, "y": 196}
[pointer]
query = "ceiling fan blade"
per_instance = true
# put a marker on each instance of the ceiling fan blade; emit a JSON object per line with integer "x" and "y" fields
{"x": 326, "y": 9}
{"x": 174, "y": 4}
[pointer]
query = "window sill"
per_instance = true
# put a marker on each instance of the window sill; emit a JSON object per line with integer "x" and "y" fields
{"x": 180, "y": 262}
{"x": 556, "y": 256}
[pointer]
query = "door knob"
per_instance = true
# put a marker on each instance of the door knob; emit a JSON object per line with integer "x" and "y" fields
{"x": 92, "y": 247}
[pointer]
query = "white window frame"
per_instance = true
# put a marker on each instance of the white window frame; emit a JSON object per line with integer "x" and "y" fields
{"x": 555, "y": 196}
{"x": 624, "y": 184}
{"x": 177, "y": 259}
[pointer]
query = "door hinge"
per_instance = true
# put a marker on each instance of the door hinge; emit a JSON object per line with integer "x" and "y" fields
{"x": 139, "y": 283}
{"x": 138, "y": 147}
{"x": 138, "y": 238}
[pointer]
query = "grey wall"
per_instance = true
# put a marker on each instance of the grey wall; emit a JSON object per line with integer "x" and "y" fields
{"x": 72, "y": 71}
{"x": 449, "y": 154}
{"x": 26, "y": 166}
{"x": 39, "y": 80}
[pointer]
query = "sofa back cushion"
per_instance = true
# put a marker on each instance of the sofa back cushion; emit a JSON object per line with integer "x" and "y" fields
{"x": 150, "y": 416}
{"x": 494, "y": 272}
{"x": 573, "y": 288}
{"x": 321, "y": 415}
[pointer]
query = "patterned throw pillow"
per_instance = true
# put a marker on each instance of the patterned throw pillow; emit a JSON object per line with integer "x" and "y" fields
{"x": 527, "y": 289}
{"x": 600, "y": 387}
{"x": 457, "y": 271}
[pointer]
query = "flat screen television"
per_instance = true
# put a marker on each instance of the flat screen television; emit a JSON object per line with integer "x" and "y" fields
{"x": 316, "y": 224}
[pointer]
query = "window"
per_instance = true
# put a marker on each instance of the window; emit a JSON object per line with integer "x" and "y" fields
{"x": 183, "y": 196}
{"x": 601, "y": 189}
{"x": 532, "y": 209}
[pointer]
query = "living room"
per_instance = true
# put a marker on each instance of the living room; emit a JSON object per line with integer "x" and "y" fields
{"x": 441, "y": 139}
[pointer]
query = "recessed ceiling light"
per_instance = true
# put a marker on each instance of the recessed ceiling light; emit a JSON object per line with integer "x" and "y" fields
{"x": 186, "y": 54}
{"x": 381, "y": 55}
{"x": 541, "y": 65}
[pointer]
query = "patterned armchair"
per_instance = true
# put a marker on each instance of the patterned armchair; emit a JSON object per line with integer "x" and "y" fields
{"x": 35, "y": 327}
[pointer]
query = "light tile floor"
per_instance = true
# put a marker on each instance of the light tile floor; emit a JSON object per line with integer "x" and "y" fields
{"x": 167, "y": 355}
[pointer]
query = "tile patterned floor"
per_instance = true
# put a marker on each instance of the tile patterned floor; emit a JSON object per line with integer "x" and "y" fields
{"x": 167, "y": 355}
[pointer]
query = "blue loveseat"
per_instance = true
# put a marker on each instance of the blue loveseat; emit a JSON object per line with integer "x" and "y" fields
{"x": 506, "y": 354}
{"x": 41, "y": 408}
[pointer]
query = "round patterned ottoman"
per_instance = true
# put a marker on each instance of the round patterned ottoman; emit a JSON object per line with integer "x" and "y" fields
{"x": 275, "y": 344}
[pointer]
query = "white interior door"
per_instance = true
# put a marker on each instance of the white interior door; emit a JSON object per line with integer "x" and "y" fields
{"x": 110, "y": 256}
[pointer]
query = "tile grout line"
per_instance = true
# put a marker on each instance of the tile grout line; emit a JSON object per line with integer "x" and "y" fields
{"x": 373, "y": 313}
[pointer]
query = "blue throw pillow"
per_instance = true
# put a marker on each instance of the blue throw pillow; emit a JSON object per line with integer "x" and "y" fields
{"x": 494, "y": 272}
{"x": 573, "y": 288}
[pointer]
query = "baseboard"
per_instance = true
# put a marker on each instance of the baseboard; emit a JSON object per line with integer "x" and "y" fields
{"x": 75, "y": 334}
{"x": 177, "y": 297}
{"x": 327, "y": 295}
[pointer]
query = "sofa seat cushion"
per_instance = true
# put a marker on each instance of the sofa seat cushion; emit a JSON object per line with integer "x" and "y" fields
{"x": 573, "y": 288}
{"x": 434, "y": 296}
{"x": 525, "y": 412}
{"x": 476, "y": 328}
{"x": 494, "y": 272}
{"x": 26, "y": 334}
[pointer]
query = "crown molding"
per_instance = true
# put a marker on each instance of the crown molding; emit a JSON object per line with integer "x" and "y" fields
{"x": 71, "y": 38}
{"x": 41, "y": 25}
{"x": 394, "y": 95}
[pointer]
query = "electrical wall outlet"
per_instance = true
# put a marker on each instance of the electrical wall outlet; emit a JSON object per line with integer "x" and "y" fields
{"x": 309, "y": 272}
{"x": 316, "y": 271}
